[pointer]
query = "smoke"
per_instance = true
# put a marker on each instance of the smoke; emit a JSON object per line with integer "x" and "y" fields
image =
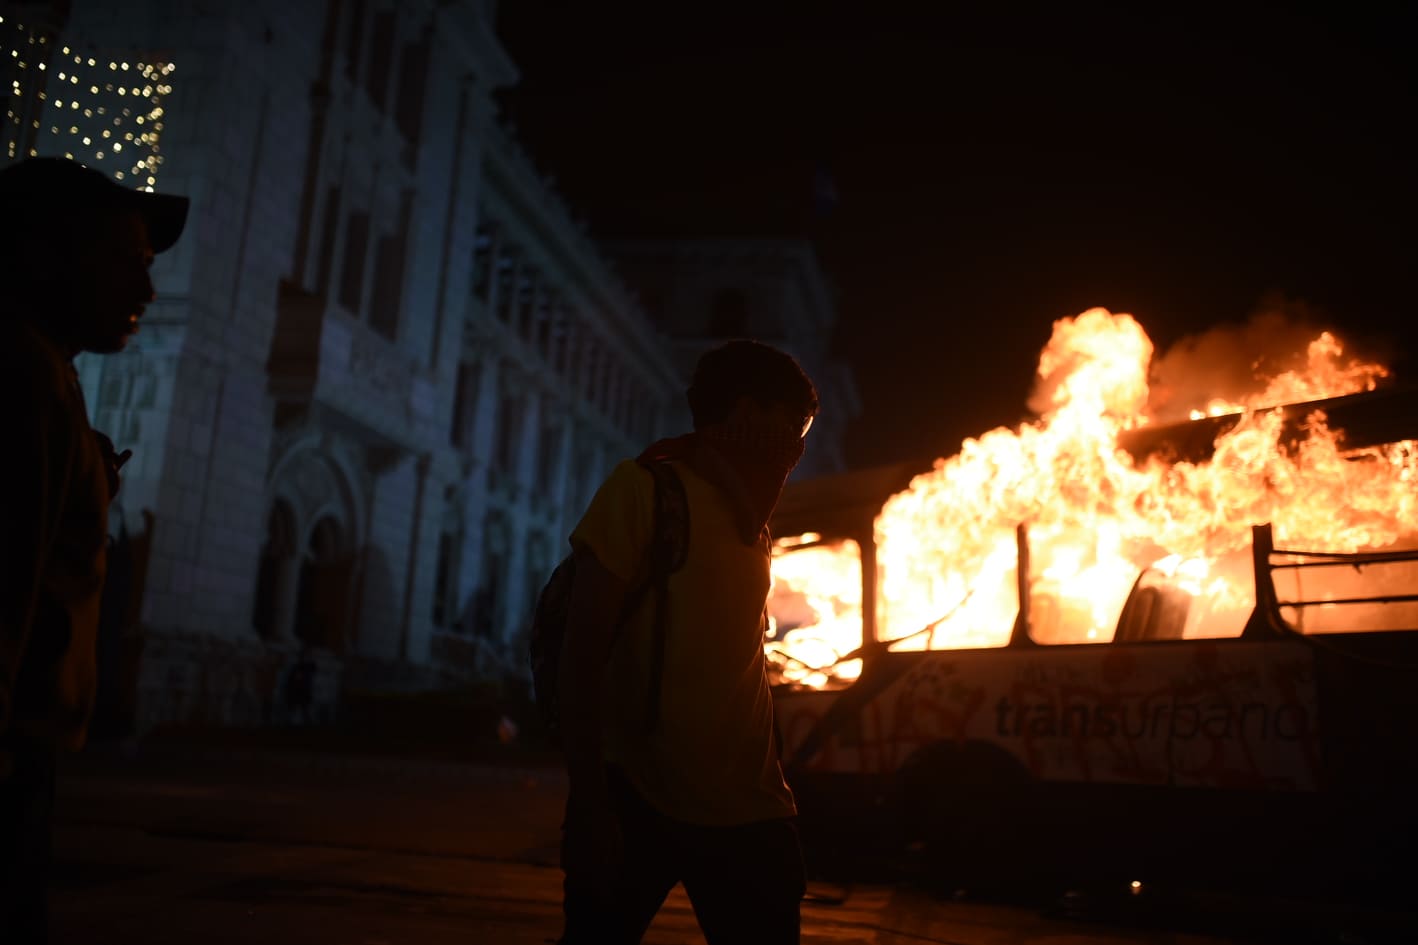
{"x": 1101, "y": 364}
{"x": 1232, "y": 362}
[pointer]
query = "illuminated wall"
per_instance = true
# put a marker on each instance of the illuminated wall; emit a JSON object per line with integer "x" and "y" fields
{"x": 565, "y": 378}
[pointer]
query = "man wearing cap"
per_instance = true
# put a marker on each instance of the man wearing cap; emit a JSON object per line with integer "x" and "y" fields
{"x": 74, "y": 253}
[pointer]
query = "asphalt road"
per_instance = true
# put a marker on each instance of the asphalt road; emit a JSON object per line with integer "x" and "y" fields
{"x": 168, "y": 846}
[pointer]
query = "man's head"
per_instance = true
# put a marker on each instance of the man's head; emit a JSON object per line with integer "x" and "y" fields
{"x": 748, "y": 382}
{"x": 75, "y": 251}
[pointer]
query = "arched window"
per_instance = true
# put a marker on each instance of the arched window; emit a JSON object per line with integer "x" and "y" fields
{"x": 324, "y": 588}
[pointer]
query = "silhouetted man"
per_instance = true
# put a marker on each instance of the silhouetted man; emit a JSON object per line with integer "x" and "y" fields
{"x": 684, "y": 786}
{"x": 74, "y": 254}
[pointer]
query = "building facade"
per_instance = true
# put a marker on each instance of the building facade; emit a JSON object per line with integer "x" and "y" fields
{"x": 385, "y": 368}
{"x": 561, "y": 376}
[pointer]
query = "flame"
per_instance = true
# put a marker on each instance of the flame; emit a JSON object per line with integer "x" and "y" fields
{"x": 1096, "y": 518}
{"x": 815, "y": 611}
{"x": 946, "y": 547}
{"x": 1324, "y": 375}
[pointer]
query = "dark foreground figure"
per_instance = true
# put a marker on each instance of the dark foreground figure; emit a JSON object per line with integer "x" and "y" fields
{"x": 74, "y": 257}
{"x": 665, "y": 710}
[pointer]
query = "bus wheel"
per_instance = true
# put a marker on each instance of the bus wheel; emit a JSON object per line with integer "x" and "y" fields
{"x": 963, "y": 813}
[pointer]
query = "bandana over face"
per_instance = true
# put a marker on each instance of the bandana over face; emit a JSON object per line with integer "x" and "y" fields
{"x": 748, "y": 458}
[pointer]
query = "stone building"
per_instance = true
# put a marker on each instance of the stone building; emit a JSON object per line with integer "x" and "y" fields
{"x": 561, "y": 376}
{"x": 385, "y": 367}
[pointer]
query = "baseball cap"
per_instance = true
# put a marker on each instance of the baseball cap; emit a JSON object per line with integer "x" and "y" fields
{"x": 59, "y": 187}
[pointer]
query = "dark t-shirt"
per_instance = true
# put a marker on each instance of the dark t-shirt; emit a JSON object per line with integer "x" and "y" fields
{"x": 54, "y": 509}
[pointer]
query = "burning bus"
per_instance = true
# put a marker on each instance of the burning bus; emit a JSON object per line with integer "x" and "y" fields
{"x": 1103, "y": 641}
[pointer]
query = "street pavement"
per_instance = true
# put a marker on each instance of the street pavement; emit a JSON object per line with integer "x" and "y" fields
{"x": 219, "y": 845}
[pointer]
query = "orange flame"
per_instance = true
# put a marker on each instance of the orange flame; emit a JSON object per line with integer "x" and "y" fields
{"x": 946, "y": 547}
{"x": 815, "y": 612}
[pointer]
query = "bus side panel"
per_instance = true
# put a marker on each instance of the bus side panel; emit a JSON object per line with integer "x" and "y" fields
{"x": 1210, "y": 714}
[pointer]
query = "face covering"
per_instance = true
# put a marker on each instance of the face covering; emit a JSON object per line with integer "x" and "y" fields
{"x": 761, "y": 453}
{"x": 748, "y": 461}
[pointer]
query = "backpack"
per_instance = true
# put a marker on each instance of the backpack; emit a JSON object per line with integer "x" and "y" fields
{"x": 669, "y": 545}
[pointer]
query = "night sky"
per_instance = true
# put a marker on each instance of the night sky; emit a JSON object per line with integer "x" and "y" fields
{"x": 995, "y": 171}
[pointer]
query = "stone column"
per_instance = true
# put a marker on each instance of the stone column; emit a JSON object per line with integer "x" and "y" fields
{"x": 483, "y": 422}
{"x": 561, "y": 493}
{"x": 524, "y": 467}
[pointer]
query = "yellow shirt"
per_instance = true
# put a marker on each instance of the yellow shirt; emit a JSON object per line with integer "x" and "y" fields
{"x": 713, "y": 757}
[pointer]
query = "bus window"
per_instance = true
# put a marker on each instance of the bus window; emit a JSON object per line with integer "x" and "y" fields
{"x": 1189, "y": 599}
{"x": 1347, "y": 596}
{"x": 1174, "y": 598}
{"x": 926, "y": 603}
{"x": 814, "y": 631}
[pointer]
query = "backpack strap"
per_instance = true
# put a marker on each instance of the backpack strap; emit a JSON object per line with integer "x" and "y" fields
{"x": 669, "y": 547}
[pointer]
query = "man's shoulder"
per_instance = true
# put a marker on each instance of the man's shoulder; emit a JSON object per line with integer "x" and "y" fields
{"x": 630, "y": 474}
{"x": 32, "y": 365}
{"x": 627, "y": 486}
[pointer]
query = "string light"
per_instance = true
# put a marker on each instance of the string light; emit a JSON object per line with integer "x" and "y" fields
{"x": 97, "y": 91}
{"x": 23, "y": 95}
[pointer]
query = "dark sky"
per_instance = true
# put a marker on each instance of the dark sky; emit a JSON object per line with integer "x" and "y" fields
{"x": 995, "y": 170}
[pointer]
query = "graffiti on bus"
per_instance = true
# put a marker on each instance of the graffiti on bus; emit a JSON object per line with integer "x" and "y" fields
{"x": 1201, "y": 714}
